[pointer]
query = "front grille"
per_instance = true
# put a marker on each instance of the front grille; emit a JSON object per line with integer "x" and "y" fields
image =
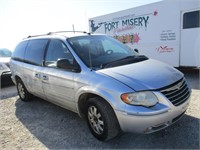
{"x": 177, "y": 92}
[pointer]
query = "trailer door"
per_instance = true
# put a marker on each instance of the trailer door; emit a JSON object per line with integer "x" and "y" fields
{"x": 190, "y": 37}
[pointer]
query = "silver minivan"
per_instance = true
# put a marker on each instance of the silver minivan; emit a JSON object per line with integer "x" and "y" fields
{"x": 110, "y": 85}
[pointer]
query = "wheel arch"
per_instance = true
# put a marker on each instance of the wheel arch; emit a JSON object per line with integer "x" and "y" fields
{"x": 83, "y": 99}
{"x": 17, "y": 78}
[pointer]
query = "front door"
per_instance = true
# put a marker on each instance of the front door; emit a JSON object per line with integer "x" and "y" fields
{"x": 58, "y": 84}
{"x": 190, "y": 37}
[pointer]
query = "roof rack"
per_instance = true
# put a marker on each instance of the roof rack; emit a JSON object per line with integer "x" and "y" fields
{"x": 36, "y": 35}
{"x": 50, "y": 33}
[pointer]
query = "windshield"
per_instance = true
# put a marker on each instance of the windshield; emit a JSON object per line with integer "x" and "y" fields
{"x": 99, "y": 51}
{"x": 5, "y": 53}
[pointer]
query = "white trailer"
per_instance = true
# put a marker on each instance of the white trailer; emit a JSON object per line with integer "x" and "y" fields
{"x": 168, "y": 30}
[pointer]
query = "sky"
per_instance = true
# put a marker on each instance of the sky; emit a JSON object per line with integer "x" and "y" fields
{"x": 21, "y": 18}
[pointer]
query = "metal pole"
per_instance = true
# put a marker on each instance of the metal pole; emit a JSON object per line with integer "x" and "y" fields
{"x": 73, "y": 28}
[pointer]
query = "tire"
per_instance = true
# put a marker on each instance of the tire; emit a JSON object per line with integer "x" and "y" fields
{"x": 22, "y": 91}
{"x": 101, "y": 119}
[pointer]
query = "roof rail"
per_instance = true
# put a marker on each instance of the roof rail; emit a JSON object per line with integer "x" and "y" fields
{"x": 50, "y": 33}
{"x": 36, "y": 35}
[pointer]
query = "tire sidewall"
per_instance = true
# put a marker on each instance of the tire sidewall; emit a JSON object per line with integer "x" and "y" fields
{"x": 26, "y": 93}
{"x": 104, "y": 135}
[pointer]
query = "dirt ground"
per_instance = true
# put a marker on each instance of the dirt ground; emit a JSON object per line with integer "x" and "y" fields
{"x": 42, "y": 125}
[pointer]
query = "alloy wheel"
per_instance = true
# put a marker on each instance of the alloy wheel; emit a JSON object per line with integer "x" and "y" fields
{"x": 95, "y": 120}
{"x": 21, "y": 90}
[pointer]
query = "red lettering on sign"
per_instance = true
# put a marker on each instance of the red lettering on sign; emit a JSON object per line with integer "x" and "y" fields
{"x": 164, "y": 49}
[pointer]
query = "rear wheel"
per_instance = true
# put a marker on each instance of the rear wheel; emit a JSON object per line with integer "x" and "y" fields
{"x": 22, "y": 91}
{"x": 101, "y": 119}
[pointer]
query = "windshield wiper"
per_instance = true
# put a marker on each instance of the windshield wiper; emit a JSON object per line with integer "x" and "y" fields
{"x": 124, "y": 61}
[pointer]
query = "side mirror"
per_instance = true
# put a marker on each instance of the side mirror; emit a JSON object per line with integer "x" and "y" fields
{"x": 136, "y": 50}
{"x": 65, "y": 64}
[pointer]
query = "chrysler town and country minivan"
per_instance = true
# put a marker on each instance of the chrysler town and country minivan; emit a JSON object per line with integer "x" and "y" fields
{"x": 113, "y": 87}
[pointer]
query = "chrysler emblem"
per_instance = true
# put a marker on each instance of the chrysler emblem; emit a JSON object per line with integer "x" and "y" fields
{"x": 175, "y": 87}
{"x": 178, "y": 86}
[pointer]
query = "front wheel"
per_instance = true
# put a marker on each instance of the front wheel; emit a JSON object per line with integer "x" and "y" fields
{"x": 22, "y": 91}
{"x": 101, "y": 119}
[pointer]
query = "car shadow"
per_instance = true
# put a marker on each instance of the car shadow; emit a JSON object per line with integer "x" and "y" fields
{"x": 58, "y": 128}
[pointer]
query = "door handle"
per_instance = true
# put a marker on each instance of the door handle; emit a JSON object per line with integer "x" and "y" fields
{"x": 44, "y": 77}
{"x": 37, "y": 75}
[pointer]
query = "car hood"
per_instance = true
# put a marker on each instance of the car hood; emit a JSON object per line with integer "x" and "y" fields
{"x": 145, "y": 75}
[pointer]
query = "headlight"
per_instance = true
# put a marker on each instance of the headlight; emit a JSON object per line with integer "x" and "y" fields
{"x": 145, "y": 98}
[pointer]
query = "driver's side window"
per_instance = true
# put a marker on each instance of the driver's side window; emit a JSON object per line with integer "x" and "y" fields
{"x": 57, "y": 50}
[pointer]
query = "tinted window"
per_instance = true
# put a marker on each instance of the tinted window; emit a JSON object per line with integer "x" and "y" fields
{"x": 57, "y": 50}
{"x": 35, "y": 51}
{"x": 19, "y": 51}
{"x": 191, "y": 20}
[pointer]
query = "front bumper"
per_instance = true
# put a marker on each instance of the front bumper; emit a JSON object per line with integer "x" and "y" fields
{"x": 6, "y": 75}
{"x": 148, "y": 120}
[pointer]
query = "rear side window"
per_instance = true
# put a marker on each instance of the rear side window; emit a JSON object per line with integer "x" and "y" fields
{"x": 19, "y": 51}
{"x": 35, "y": 51}
{"x": 191, "y": 20}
